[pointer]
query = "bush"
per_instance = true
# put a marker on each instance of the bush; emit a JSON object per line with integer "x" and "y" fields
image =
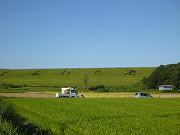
{"x": 103, "y": 90}
{"x": 97, "y": 87}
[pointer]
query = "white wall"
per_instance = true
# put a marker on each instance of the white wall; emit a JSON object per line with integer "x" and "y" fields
{"x": 163, "y": 88}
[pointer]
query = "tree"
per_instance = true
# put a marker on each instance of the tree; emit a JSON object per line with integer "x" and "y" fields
{"x": 164, "y": 74}
{"x": 86, "y": 81}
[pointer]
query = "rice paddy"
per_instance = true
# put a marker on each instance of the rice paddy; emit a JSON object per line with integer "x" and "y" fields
{"x": 102, "y": 116}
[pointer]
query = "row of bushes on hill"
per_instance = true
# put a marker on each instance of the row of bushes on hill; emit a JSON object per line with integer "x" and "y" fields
{"x": 164, "y": 74}
{"x": 36, "y": 73}
{"x": 131, "y": 72}
{"x": 102, "y": 88}
{"x": 65, "y": 73}
{"x": 97, "y": 72}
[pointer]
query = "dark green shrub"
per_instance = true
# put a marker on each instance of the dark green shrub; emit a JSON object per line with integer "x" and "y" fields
{"x": 94, "y": 88}
{"x": 103, "y": 90}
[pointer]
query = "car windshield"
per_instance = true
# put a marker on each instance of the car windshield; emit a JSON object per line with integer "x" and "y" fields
{"x": 144, "y": 94}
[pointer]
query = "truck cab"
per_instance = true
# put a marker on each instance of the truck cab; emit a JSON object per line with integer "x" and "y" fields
{"x": 67, "y": 93}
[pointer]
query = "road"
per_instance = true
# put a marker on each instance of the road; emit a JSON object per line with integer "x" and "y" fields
{"x": 87, "y": 95}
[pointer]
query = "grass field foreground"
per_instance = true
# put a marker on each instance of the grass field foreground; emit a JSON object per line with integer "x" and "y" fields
{"x": 104, "y": 116}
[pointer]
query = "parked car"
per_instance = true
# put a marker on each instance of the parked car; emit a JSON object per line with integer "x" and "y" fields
{"x": 142, "y": 95}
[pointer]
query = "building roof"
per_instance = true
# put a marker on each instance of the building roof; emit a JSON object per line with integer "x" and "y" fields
{"x": 167, "y": 86}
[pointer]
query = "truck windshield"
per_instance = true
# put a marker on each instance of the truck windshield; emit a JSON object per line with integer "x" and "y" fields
{"x": 73, "y": 91}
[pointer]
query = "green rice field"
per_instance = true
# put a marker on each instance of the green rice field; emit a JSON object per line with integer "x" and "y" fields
{"x": 103, "y": 116}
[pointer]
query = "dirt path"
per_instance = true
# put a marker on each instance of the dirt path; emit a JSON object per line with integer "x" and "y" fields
{"x": 29, "y": 95}
{"x": 166, "y": 95}
{"x": 87, "y": 95}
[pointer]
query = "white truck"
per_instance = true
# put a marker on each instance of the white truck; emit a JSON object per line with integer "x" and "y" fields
{"x": 67, "y": 93}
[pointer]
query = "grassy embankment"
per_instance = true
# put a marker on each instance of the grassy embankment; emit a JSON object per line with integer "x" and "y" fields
{"x": 53, "y": 79}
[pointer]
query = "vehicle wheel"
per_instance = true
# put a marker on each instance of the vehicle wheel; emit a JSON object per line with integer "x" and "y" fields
{"x": 72, "y": 97}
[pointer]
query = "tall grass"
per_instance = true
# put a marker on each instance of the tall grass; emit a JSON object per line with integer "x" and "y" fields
{"x": 6, "y": 128}
{"x": 12, "y": 123}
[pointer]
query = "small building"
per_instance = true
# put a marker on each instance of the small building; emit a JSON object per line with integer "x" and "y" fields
{"x": 165, "y": 87}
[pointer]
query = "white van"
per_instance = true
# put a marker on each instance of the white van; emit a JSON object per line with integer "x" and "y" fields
{"x": 142, "y": 95}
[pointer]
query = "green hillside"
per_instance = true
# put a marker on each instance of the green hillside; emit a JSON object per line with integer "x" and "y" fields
{"x": 74, "y": 77}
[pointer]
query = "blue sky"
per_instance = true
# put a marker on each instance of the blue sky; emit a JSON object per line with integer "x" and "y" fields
{"x": 89, "y": 33}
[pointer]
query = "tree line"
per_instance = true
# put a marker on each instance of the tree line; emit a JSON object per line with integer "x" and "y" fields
{"x": 164, "y": 74}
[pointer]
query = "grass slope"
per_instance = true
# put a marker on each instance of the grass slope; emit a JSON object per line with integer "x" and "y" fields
{"x": 74, "y": 77}
{"x": 102, "y": 116}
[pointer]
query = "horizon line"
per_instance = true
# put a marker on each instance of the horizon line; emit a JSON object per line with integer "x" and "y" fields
{"x": 72, "y": 68}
